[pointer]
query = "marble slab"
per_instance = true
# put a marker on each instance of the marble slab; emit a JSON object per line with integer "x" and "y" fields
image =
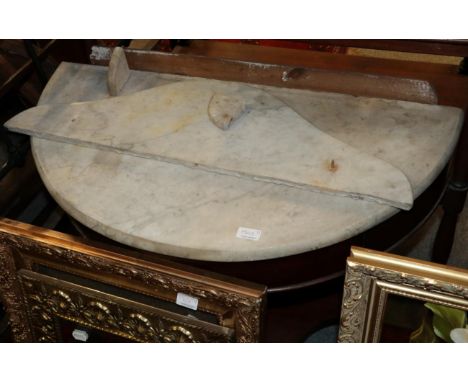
{"x": 170, "y": 209}
{"x": 268, "y": 141}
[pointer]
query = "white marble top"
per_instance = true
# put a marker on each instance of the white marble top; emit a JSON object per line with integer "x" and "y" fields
{"x": 174, "y": 210}
{"x": 269, "y": 142}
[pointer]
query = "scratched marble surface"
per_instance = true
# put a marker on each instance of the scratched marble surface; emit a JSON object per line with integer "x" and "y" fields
{"x": 174, "y": 210}
{"x": 268, "y": 142}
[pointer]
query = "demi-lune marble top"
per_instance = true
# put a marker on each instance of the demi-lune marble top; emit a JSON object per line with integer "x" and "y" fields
{"x": 180, "y": 211}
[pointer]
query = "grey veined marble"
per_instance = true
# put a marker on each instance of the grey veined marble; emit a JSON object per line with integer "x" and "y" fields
{"x": 176, "y": 210}
{"x": 270, "y": 142}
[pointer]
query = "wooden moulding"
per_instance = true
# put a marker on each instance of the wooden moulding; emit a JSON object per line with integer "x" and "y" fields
{"x": 451, "y": 87}
{"x": 118, "y": 72}
{"x": 440, "y": 47}
{"x": 316, "y": 59}
{"x": 46, "y": 276}
{"x": 348, "y": 82}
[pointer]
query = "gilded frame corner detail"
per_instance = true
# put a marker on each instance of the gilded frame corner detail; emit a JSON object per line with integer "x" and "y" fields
{"x": 371, "y": 276}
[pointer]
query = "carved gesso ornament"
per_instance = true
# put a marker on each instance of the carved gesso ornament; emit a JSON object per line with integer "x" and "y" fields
{"x": 247, "y": 310}
{"x": 47, "y": 302}
{"x": 359, "y": 279}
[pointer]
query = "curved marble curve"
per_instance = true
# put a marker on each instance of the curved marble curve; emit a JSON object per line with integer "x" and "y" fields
{"x": 147, "y": 207}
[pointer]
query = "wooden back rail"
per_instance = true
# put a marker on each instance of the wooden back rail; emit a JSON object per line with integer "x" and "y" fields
{"x": 359, "y": 76}
{"x": 288, "y": 76}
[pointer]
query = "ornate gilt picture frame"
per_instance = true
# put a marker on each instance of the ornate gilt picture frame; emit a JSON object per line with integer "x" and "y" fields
{"x": 50, "y": 281}
{"x": 373, "y": 278}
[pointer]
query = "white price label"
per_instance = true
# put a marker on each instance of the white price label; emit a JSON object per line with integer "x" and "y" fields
{"x": 187, "y": 301}
{"x": 248, "y": 233}
{"x": 80, "y": 335}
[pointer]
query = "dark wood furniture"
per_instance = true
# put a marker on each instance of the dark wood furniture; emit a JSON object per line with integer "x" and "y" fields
{"x": 442, "y": 84}
{"x": 51, "y": 282}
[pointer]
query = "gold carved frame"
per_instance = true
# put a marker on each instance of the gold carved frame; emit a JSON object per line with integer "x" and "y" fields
{"x": 47, "y": 276}
{"x": 372, "y": 276}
